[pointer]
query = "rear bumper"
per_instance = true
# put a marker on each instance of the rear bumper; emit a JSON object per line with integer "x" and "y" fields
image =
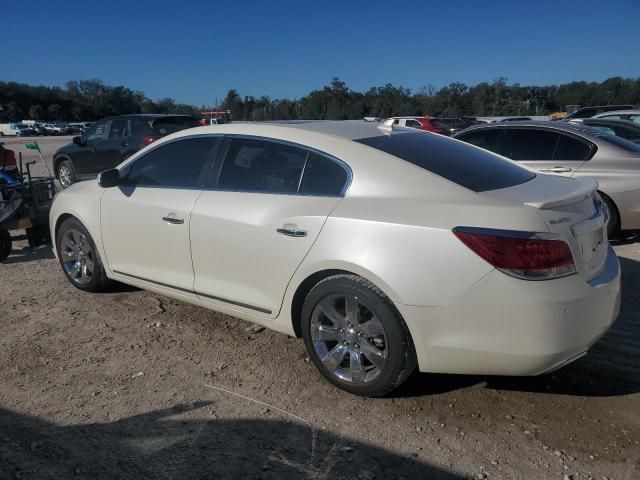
{"x": 506, "y": 326}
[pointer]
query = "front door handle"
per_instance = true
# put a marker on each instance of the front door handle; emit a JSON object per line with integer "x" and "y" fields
{"x": 291, "y": 230}
{"x": 559, "y": 169}
{"x": 173, "y": 220}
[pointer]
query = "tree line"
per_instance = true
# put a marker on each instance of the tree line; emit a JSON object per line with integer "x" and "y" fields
{"x": 92, "y": 99}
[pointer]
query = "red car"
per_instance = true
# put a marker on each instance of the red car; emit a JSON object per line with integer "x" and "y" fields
{"x": 420, "y": 123}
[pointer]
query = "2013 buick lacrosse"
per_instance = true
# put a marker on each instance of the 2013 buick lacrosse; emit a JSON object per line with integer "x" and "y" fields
{"x": 386, "y": 249}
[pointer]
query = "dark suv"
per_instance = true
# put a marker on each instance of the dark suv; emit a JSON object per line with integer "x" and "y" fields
{"x": 110, "y": 141}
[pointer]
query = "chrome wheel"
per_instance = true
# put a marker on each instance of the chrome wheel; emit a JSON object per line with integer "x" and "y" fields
{"x": 77, "y": 257}
{"x": 349, "y": 338}
{"x": 65, "y": 175}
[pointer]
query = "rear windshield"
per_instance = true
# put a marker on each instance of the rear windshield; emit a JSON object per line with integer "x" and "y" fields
{"x": 167, "y": 125}
{"x": 470, "y": 167}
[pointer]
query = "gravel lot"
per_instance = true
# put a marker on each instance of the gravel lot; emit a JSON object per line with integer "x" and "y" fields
{"x": 129, "y": 384}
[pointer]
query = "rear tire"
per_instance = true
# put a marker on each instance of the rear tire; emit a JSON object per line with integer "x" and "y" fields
{"x": 66, "y": 174}
{"x": 79, "y": 257}
{"x": 356, "y": 337}
{"x": 5, "y": 243}
{"x": 613, "y": 227}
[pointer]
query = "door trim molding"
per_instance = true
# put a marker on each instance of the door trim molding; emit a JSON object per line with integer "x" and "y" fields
{"x": 213, "y": 297}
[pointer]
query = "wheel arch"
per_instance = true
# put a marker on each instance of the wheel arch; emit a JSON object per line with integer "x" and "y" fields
{"x": 312, "y": 279}
{"x": 57, "y": 161}
{"x": 613, "y": 204}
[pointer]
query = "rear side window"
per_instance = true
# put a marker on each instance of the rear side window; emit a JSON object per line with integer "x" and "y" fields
{"x": 262, "y": 166}
{"x": 528, "y": 144}
{"x": 570, "y": 148}
{"x": 469, "y": 167}
{"x": 484, "y": 138}
{"x": 323, "y": 177}
{"x": 167, "y": 125}
{"x": 179, "y": 164}
{"x": 413, "y": 124}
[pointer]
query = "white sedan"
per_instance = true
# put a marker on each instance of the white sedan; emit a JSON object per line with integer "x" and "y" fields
{"x": 385, "y": 248}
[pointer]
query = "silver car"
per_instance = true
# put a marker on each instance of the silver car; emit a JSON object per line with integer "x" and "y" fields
{"x": 572, "y": 150}
{"x": 631, "y": 115}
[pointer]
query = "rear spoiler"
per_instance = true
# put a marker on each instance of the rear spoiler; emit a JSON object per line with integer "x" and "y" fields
{"x": 585, "y": 188}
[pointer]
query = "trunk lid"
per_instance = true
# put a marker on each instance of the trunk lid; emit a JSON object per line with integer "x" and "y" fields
{"x": 572, "y": 211}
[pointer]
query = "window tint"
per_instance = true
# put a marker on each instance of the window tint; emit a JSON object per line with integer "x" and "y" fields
{"x": 570, "y": 148}
{"x": 140, "y": 127}
{"x": 485, "y": 138}
{"x": 119, "y": 128}
{"x": 262, "y": 166}
{"x": 469, "y": 167}
{"x": 178, "y": 164}
{"x": 528, "y": 144}
{"x": 631, "y": 134}
{"x": 413, "y": 124}
{"x": 97, "y": 132}
{"x": 323, "y": 176}
{"x": 167, "y": 125}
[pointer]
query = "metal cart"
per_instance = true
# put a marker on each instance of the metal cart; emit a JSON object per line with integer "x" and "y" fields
{"x": 25, "y": 206}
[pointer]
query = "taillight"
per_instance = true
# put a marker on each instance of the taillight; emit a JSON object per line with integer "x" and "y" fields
{"x": 147, "y": 140}
{"x": 520, "y": 254}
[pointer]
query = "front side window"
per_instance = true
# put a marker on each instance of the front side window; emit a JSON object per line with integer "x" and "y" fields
{"x": 528, "y": 144}
{"x": 180, "y": 164}
{"x": 570, "y": 148}
{"x": 262, "y": 166}
{"x": 119, "y": 129}
{"x": 97, "y": 132}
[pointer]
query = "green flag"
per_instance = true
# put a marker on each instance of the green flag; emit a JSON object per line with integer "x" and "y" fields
{"x": 33, "y": 146}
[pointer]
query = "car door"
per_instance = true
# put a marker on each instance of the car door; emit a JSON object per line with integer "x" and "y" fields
{"x": 115, "y": 148}
{"x": 252, "y": 229}
{"x": 145, "y": 221}
{"x": 545, "y": 150}
{"x": 85, "y": 158}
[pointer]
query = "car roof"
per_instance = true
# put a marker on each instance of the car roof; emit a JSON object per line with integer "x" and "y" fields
{"x": 609, "y": 121}
{"x": 618, "y": 112}
{"x": 145, "y": 116}
{"x": 347, "y": 129}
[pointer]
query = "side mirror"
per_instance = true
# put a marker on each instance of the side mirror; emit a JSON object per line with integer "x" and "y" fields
{"x": 78, "y": 141}
{"x": 109, "y": 178}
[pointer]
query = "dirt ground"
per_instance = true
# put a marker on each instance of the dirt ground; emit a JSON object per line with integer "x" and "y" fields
{"x": 132, "y": 385}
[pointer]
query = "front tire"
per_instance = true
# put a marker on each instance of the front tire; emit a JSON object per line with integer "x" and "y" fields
{"x": 79, "y": 257}
{"x": 66, "y": 174}
{"x": 356, "y": 337}
{"x": 5, "y": 243}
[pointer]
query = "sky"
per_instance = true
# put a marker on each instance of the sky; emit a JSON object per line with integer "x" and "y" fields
{"x": 195, "y": 50}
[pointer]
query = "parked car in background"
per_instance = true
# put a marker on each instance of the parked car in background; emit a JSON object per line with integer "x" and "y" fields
{"x": 451, "y": 124}
{"x": 75, "y": 129}
{"x": 420, "y": 123}
{"x": 620, "y": 128}
{"x": 110, "y": 141}
{"x": 587, "y": 112}
{"x": 385, "y": 249}
{"x": 631, "y": 115}
{"x": 40, "y": 129}
{"x": 572, "y": 150}
{"x": 23, "y": 130}
{"x": 55, "y": 129}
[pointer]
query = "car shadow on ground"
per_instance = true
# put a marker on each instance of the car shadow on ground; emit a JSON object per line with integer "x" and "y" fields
{"x": 611, "y": 368}
{"x": 167, "y": 444}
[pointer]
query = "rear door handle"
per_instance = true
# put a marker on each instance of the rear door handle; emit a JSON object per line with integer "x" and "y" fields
{"x": 173, "y": 220}
{"x": 291, "y": 230}
{"x": 558, "y": 169}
